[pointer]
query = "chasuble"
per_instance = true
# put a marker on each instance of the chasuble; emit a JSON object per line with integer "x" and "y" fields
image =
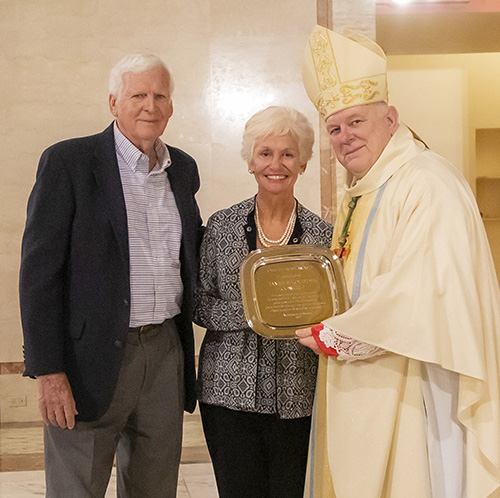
{"x": 422, "y": 420}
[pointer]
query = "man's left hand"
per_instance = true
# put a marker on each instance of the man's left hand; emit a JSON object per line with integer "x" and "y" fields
{"x": 56, "y": 402}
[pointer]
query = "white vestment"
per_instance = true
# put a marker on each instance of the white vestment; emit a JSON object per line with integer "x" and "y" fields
{"x": 423, "y": 420}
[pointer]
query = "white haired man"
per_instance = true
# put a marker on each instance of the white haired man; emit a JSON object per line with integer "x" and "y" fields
{"x": 408, "y": 383}
{"x": 109, "y": 261}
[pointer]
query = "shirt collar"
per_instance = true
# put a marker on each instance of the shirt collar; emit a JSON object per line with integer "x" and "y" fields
{"x": 132, "y": 155}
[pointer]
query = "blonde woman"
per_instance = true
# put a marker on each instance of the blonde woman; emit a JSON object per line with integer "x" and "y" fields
{"x": 256, "y": 394}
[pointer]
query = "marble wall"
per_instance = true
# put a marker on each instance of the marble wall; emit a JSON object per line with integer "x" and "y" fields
{"x": 229, "y": 59}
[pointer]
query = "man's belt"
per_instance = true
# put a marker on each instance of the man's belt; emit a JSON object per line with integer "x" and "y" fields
{"x": 144, "y": 328}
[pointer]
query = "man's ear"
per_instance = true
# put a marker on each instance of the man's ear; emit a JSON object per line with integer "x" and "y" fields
{"x": 112, "y": 104}
{"x": 392, "y": 119}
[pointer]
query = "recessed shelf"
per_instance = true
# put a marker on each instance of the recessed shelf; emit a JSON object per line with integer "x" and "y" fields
{"x": 488, "y": 197}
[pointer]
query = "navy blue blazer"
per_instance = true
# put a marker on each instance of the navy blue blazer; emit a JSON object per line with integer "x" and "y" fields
{"x": 74, "y": 278}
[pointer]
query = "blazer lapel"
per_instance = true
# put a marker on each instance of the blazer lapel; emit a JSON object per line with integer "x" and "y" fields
{"x": 107, "y": 175}
{"x": 174, "y": 172}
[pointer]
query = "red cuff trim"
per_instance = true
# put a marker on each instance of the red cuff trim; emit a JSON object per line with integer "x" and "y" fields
{"x": 316, "y": 329}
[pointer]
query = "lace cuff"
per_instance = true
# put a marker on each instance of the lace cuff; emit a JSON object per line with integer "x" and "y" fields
{"x": 345, "y": 348}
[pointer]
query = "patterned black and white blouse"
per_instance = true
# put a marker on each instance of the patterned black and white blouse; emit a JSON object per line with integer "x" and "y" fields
{"x": 238, "y": 369}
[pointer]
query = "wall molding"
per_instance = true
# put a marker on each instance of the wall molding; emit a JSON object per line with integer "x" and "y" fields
{"x": 12, "y": 367}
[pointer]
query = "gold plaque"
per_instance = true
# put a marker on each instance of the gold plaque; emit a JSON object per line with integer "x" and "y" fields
{"x": 285, "y": 288}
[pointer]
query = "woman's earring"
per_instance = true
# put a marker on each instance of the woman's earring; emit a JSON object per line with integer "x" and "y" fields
{"x": 250, "y": 171}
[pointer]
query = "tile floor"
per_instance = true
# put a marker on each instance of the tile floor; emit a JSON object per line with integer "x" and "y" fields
{"x": 21, "y": 462}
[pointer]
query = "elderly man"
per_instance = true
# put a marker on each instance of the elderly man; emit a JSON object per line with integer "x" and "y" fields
{"x": 408, "y": 389}
{"x": 107, "y": 273}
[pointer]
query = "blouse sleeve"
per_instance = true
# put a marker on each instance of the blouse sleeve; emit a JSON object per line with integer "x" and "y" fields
{"x": 216, "y": 309}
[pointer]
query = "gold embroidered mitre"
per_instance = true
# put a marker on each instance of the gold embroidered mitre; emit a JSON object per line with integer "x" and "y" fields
{"x": 343, "y": 71}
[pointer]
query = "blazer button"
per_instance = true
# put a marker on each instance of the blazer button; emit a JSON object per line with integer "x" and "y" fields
{"x": 125, "y": 302}
{"x": 118, "y": 344}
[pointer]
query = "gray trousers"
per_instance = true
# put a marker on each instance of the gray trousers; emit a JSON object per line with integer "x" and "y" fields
{"x": 143, "y": 427}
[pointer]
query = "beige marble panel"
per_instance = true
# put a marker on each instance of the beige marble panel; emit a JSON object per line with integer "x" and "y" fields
{"x": 18, "y": 399}
{"x": 228, "y": 59}
{"x": 21, "y": 441}
{"x": 195, "y": 481}
{"x": 199, "y": 480}
{"x": 256, "y": 52}
{"x": 354, "y": 14}
{"x": 16, "y": 367}
{"x": 21, "y": 450}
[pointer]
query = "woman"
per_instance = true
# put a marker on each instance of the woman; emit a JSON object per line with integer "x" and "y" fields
{"x": 256, "y": 394}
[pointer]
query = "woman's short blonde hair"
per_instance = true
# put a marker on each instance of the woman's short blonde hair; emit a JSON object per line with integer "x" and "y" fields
{"x": 278, "y": 121}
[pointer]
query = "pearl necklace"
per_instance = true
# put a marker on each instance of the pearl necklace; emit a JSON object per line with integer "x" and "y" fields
{"x": 283, "y": 240}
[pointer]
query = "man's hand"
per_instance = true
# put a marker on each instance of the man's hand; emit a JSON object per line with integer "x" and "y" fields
{"x": 306, "y": 338}
{"x": 56, "y": 402}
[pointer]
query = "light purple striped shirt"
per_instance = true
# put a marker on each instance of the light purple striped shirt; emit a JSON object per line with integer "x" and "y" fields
{"x": 154, "y": 233}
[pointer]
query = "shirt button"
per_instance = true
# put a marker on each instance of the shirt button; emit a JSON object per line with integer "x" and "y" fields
{"x": 118, "y": 344}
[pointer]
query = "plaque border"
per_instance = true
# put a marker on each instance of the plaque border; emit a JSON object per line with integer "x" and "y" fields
{"x": 338, "y": 297}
